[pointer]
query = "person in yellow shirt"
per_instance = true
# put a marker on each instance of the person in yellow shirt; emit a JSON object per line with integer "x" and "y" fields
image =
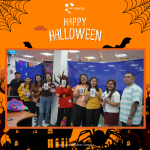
{"x": 22, "y": 91}
{"x": 93, "y": 103}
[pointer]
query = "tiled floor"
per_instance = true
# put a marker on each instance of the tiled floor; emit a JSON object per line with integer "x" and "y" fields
{"x": 100, "y": 124}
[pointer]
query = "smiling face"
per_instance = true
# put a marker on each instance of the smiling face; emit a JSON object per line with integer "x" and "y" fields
{"x": 129, "y": 79}
{"x": 110, "y": 85}
{"x": 38, "y": 79}
{"x": 48, "y": 78}
{"x": 93, "y": 82}
{"x": 83, "y": 79}
{"x": 27, "y": 80}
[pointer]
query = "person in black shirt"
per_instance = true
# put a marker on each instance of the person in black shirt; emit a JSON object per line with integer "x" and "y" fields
{"x": 15, "y": 83}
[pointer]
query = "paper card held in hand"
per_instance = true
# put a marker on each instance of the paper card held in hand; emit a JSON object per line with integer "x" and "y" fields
{"x": 81, "y": 91}
{"x": 105, "y": 95}
{"x": 63, "y": 83}
{"x": 92, "y": 92}
{"x": 45, "y": 86}
{"x": 28, "y": 95}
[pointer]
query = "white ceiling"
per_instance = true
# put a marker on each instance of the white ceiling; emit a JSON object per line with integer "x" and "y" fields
{"x": 108, "y": 55}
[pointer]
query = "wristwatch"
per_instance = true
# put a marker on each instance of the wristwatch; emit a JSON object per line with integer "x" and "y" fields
{"x": 130, "y": 118}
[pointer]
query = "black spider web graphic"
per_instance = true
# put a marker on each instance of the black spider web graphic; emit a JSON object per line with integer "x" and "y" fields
{"x": 10, "y": 12}
{"x": 140, "y": 12}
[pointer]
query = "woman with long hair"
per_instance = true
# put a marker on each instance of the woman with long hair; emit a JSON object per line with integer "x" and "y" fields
{"x": 65, "y": 101}
{"x": 23, "y": 90}
{"x": 45, "y": 99}
{"x": 93, "y": 103}
{"x": 111, "y": 105}
{"x": 35, "y": 94}
{"x": 80, "y": 113}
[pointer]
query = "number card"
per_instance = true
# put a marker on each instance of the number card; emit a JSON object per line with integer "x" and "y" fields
{"x": 81, "y": 91}
{"x": 105, "y": 95}
{"x": 45, "y": 86}
{"x": 63, "y": 83}
{"x": 92, "y": 92}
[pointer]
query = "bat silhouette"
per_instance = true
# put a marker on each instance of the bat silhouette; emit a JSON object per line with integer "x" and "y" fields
{"x": 27, "y": 44}
{"x": 123, "y": 44}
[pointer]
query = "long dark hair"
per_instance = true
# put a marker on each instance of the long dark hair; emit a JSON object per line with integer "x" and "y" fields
{"x": 80, "y": 80}
{"x": 30, "y": 84}
{"x": 96, "y": 87}
{"x": 36, "y": 83}
{"x": 113, "y": 90}
{"x": 45, "y": 81}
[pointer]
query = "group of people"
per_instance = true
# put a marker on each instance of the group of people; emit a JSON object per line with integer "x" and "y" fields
{"x": 89, "y": 104}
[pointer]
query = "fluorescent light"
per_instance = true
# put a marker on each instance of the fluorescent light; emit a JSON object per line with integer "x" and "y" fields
{"x": 123, "y": 70}
{"x": 134, "y": 65}
{"x": 85, "y": 68}
{"x": 47, "y": 54}
{"x": 106, "y": 70}
{"x": 69, "y": 59}
{"x": 91, "y": 66}
{"x": 92, "y": 70}
{"x": 73, "y": 51}
{"x": 27, "y": 56}
{"x": 121, "y": 55}
{"x": 111, "y": 65}
{"x": 91, "y": 57}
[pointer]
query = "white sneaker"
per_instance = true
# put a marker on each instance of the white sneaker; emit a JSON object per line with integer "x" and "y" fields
{"x": 46, "y": 125}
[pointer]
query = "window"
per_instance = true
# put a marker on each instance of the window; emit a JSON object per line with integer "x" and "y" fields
{"x": 66, "y": 142}
{"x": 128, "y": 143}
{"x": 50, "y": 143}
{"x": 148, "y": 131}
{"x": 16, "y": 143}
{"x": 62, "y": 142}
{"x": 129, "y": 131}
{"x": 35, "y": 131}
{"x": 50, "y": 131}
{"x": 57, "y": 143}
{"x": 147, "y": 113}
{"x": 17, "y": 131}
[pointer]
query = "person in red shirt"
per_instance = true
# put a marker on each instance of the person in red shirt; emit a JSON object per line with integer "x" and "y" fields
{"x": 65, "y": 101}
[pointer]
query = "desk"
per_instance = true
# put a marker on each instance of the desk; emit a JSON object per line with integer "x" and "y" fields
{"x": 21, "y": 118}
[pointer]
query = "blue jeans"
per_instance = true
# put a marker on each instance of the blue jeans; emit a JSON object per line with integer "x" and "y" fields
{"x": 45, "y": 105}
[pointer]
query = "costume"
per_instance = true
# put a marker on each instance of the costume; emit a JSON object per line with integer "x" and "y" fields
{"x": 65, "y": 101}
{"x": 21, "y": 91}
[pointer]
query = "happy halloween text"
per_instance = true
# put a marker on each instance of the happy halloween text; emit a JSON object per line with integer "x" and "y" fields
{"x": 72, "y": 33}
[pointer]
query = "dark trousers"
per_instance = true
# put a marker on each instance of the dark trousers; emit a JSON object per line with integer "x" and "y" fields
{"x": 61, "y": 112}
{"x": 37, "y": 111}
{"x": 27, "y": 103}
{"x": 125, "y": 125}
{"x": 80, "y": 115}
{"x": 92, "y": 117}
{"x": 32, "y": 107}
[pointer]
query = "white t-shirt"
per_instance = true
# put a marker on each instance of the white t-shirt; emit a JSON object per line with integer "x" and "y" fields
{"x": 115, "y": 98}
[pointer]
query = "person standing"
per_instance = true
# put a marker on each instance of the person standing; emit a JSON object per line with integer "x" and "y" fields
{"x": 45, "y": 99}
{"x": 93, "y": 103}
{"x": 80, "y": 113}
{"x": 35, "y": 94}
{"x": 15, "y": 83}
{"x": 111, "y": 104}
{"x": 24, "y": 90}
{"x": 131, "y": 102}
{"x": 65, "y": 101}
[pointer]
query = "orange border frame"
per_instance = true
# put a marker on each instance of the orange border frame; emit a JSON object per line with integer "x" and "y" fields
{"x": 144, "y": 117}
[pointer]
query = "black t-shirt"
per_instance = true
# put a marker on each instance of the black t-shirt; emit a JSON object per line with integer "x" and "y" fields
{"x": 15, "y": 85}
